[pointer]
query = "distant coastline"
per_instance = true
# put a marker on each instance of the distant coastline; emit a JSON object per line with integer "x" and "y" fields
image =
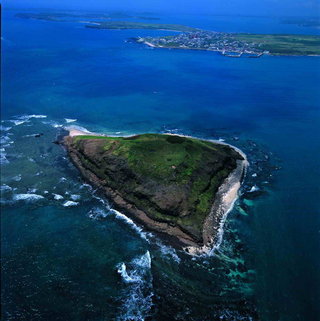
{"x": 235, "y": 45}
{"x": 239, "y": 45}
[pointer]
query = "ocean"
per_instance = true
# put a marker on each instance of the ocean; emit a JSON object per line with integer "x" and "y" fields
{"x": 67, "y": 254}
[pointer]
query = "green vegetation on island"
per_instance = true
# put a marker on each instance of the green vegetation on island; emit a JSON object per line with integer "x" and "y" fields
{"x": 277, "y": 44}
{"x": 105, "y": 20}
{"x": 140, "y": 25}
{"x": 172, "y": 179}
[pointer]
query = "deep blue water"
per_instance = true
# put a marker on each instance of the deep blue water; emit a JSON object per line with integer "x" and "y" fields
{"x": 66, "y": 263}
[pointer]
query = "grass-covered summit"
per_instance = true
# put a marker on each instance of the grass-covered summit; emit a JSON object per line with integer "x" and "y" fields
{"x": 172, "y": 179}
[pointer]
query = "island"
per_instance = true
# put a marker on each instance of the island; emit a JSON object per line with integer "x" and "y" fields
{"x": 180, "y": 187}
{"x": 66, "y": 16}
{"x": 239, "y": 44}
{"x": 235, "y": 45}
{"x": 140, "y": 25}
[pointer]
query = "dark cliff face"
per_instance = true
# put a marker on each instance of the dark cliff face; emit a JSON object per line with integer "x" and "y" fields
{"x": 172, "y": 179}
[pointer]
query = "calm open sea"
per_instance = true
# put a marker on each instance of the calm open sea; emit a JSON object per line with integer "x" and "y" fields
{"x": 85, "y": 261}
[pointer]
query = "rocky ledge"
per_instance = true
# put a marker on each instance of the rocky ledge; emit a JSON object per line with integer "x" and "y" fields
{"x": 180, "y": 186}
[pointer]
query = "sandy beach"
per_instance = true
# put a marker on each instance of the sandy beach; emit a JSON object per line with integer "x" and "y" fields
{"x": 78, "y": 132}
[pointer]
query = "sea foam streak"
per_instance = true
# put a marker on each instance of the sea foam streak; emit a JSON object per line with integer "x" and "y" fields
{"x": 129, "y": 221}
{"x": 168, "y": 251}
{"x": 27, "y": 197}
{"x": 137, "y": 300}
{"x": 25, "y": 118}
{"x": 69, "y": 120}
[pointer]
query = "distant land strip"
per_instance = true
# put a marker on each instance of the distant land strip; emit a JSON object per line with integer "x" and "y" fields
{"x": 228, "y": 44}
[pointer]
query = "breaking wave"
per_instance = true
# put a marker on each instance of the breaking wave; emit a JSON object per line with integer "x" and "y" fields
{"x": 137, "y": 296}
{"x": 130, "y": 222}
{"x": 24, "y": 119}
{"x": 168, "y": 252}
{"x": 98, "y": 213}
{"x": 76, "y": 127}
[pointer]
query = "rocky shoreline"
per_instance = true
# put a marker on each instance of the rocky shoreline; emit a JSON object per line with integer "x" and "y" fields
{"x": 213, "y": 224}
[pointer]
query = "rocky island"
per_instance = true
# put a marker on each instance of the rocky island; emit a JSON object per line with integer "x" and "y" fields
{"x": 176, "y": 185}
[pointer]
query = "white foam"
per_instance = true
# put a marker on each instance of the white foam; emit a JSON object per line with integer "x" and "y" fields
{"x": 221, "y": 229}
{"x": 143, "y": 261}
{"x": 89, "y": 187}
{"x": 69, "y": 120}
{"x": 18, "y": 122}
{"x": 5, "y": 129}
{"x": 97, "y": 213}
{"x": 122, "y": 270}
{"x": 254, "y": 188}
{"x": 101, "y": 200}
{"x": 5, "y": 187}
{"x": 129, "y": 221}
{"x": 52, "y": 123}
{"x": 25, "y": 118}
{"x": 17, "y": 178}
{"x": 31, "y": 135}
{"x": 139, "y": 267}
{"x": 138, "y": 293}
{"x": 27, "y": 197}
{"x": 70, "y": 203}
{"x": 57, "y": 197}
{"x": 35, "y": 116}
{"x": 168, "y": 251}
{"x": 76, "y": 127}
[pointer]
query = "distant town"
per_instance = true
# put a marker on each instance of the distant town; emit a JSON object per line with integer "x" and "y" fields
{"x": 225, "y": 43}
{"x": 239, "y": 44}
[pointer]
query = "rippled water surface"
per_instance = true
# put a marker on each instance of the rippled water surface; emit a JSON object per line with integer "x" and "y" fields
{"x": 68, "y": 255}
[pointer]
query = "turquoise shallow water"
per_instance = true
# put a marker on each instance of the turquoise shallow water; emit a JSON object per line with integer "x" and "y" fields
{"x": 88, "y": 262}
